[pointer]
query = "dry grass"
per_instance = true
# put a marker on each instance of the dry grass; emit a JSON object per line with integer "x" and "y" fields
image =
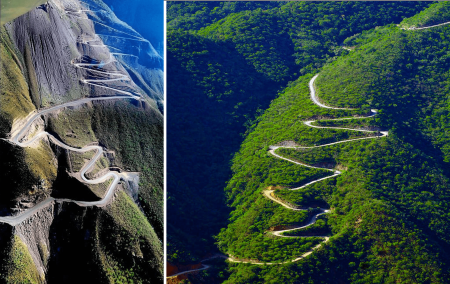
{"x": 126, "y": 213}
{"x": 74, "y": 126}
{"x": 42, "y": 164}
{"x": 21, "y": 268}
{"x": 15, "y": 101}
{"x": 126, "y": 217}
{"x": 45, "y": 253}
{"x": 101, "y": 188}
{"x": 100, "y": 164}
{"x": 78, "y": 160}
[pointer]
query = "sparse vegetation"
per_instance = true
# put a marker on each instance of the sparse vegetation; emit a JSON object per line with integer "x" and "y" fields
{"x": 130, "y": 251}
{"x": 78, "y": 160}
{"x": 42, "y": 163}
{"x": 100, "y": 189}
{"x": 73, "y": 126}
{"x": 76, "y": 243}
{"x": 21, "y": 266}
{"x": 15, "y": 102}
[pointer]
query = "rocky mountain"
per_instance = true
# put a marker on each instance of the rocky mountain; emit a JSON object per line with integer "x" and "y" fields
{"x": 145, "y": 16}
{"x": 81, "y": 149}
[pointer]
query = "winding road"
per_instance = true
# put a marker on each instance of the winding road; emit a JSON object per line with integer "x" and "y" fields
{"x": 204, "y": 266}
{"x": 18, "y": 136}
{"x": 270, "y": 193}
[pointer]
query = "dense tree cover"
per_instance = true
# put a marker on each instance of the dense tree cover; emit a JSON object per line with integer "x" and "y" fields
{"x": 228, "y": 60}
{"x": 377, "y": 218}
{"x": 389, "y": 209}
{"x": 211, "y": 94}
{"x": 408, "y": 80}
{"x": 319, "y": 228}
{"x": 301, "y": 36}
{"x": 331, "y": 157}
{"x": 367, "y": 124}
{"x": 196, "y": 15}
{"x": 436, "y": 14}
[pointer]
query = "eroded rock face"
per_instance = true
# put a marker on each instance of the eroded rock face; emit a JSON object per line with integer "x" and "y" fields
{"x": 55, "y": 35}
{"x": 58, "y": 45}
{"x": 136, "y": 54}
{"x": 34, "y": 232}
{"x": 145, "y": 16}
{"x": 50, "y": 38}
{"x": 119, "y": 34}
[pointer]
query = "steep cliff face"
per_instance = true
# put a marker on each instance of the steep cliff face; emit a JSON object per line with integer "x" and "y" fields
{"x": 46, "y": 39}
{"x": 133, "y": 51}
{"x": 81, "y": 154}
{"x": 53, "y": 35}
{"x": 145, "y": 16}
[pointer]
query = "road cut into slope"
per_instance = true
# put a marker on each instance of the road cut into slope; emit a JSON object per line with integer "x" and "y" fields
{"x": 270, "y": 193}
{"x": 428, "y": 27}
{"x": 19, "y": 136}
{"x": 204, "y": 266}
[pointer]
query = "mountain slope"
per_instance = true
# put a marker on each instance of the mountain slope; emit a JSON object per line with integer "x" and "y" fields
{"x": 81, "y": 148}
{"x": 386, "y": 223}
{"x": 146, "y": 17}
{"x": 232, "y": 59}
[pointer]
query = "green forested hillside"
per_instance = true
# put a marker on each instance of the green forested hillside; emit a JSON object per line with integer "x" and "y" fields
{"x": 301, "y": 36}
{"x": 193, "y": 16}
{"x": 389, "y": 208}
{"x": 227, "y": 62}
{"x": 435, "y": 15}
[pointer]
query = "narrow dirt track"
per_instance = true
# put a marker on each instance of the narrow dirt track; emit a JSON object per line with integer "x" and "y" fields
{"x": 18, "y": 138}
{"x": 270, "y": 193}
{"x": 424, "y": 28}
{"x": 204, "y": 266}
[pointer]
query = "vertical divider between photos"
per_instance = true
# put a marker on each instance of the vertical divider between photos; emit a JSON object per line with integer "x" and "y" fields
{"x": 165, "y": 141}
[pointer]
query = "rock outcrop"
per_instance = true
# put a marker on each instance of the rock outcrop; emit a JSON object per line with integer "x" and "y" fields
{"x": 72, "y": 51}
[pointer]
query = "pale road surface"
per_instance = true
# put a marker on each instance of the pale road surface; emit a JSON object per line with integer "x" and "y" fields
{"x": 267, "y": 193}
{"x": 424, "y": 28}
{"x": 270, "y": 193}
{"x": 17, "y": 140}
{"x": 410, "y": 29}
{"x": 205, "y": 266}
{"x": 91, "y": 11}
{"x": 314, "y": 97}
